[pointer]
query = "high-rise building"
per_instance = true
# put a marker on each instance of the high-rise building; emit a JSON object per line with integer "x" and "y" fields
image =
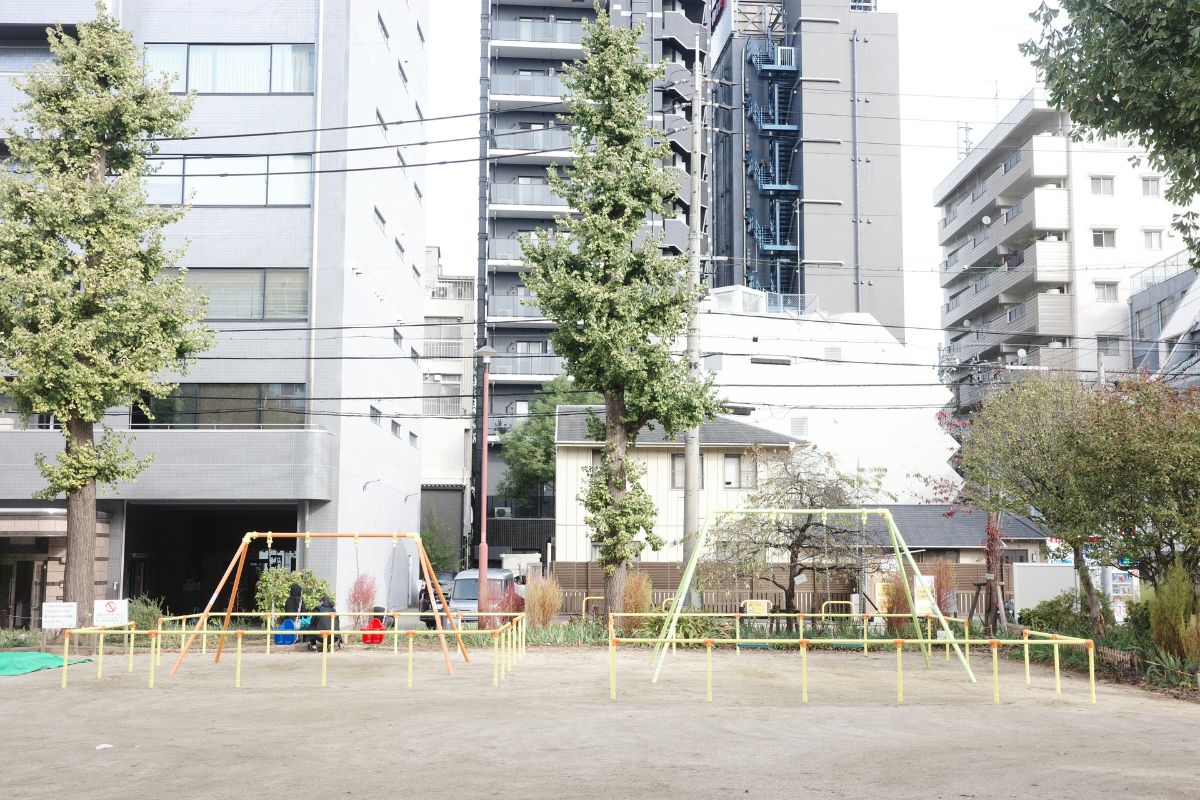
{"x": 524, "y": 47}
{"x": 806, "y": 156}
{"x": 309, "y": 246}
{"x": 1041, "y": 236}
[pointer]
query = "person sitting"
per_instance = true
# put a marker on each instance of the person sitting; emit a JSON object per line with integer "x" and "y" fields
{"x": 324, "y": 619}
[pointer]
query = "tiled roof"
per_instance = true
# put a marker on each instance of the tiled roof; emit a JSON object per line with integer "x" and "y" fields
{"x": 944, "y": 526}
{"x": 572, "y": 426}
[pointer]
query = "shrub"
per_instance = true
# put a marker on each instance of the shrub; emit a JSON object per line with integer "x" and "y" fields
{"x": 144, "y": 612}
{"x": 361, "y": 600}
{"x": 637, "y": 596}
{"x": 18, "y": 638}
{"x": 543, "y": 601}
{"x": 275, "y": 583}
{"x": 897, "y": 603}
{"x": 1172, "y": 611}
{"x": 943, "y": 586}
{"x": 1063, "y": 615}
{"x": 509, "y": 602}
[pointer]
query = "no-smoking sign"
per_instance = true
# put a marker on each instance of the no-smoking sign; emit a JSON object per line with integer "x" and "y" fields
{"x": 110, "y": 612}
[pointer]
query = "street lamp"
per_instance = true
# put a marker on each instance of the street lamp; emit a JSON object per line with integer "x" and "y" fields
{"x": 486, "y": 354}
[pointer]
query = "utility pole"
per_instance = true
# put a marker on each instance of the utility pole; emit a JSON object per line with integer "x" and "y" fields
{"x": 691, "y": 438}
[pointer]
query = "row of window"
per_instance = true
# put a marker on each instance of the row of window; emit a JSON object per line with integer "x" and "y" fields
{"x": 376, "y": 416}
{"x": 235, "y": 68}
{"x": 1152, "y": 238}
{"x": 737, "y": 471}
{"x": 1106, "y": 185}
{"x": 231, "y": 181}
{"x": 225, "y": 405}
{"x": 252, "y": 294}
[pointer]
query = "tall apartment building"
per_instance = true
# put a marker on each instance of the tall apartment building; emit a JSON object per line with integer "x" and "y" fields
{"x": 1041, "y": 236}
{"x": 806, "y": 156}
{"x": 1164, "y": 318}
{"x": 524, "y": 47}
{"x": 305, "y": 414}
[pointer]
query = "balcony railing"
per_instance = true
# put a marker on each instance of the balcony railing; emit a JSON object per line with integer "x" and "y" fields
{"x": 526, "y": 194}
{"x": 979, "y": 238}
{"x": 451, "y": 289}
{"x": 526, "y": 364}
{"x": 1016, "y": 312}
{"x": 443, "y": 348}
{"x": 531, "y": 31}
{"x": 443, "y": 406}
{"x": 979, "y": 190}
{"x": 505, "y": 249}
{"x": 545, "y": 139}
{"x": 1012, "y": 161}
{"x": 530, "y": 85}
{"x": 1015, "y": 211}
{"x": 513, "y": 305}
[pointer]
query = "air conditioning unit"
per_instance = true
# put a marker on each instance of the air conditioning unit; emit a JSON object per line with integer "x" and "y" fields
{"x": 503, "y": 512}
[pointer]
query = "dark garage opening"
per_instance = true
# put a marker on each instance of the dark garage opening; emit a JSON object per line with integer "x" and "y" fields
{"x": 179, "y": 553}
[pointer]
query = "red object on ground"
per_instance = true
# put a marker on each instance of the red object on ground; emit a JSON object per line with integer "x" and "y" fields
{"x": 373, "y": 638}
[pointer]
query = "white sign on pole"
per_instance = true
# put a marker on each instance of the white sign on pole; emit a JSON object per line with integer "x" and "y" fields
{"x": 110, "y": 612}
{"x": 56, "y": 616}
{"x": 922, "y": 595}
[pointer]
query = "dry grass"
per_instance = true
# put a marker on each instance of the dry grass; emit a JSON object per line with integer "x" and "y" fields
{"x": 543, "y": 601}
{"x": 897, "y": 604}
{"x": 636, "y": 598}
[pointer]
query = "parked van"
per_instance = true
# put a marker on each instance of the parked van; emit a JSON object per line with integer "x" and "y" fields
{"x": 464, "y": 596}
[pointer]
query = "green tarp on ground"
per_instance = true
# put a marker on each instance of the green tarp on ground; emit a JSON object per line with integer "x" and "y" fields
{"x": 21, "y": 663}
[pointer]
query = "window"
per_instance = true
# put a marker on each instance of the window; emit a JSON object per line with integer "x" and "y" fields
{"x": 399, "y": 247}
{"x": 380, "y": 221}
{"x": 1104, "y": 237}
{"x": 225, "y": 405}
{"x": 376, "y": 416}
{"x": 383, "y": 126}
{"x": 400, "y": 69}
{"x": 535, "y": 347}
{"x": 236, "y": 181}
{"x": 416, "y": 273}
{"x": 1106, "y": 291}
{"x": 420, "y": 195}
{"x": 397, "y": 430}
{"x": 1165, "y": 308}
{"x": 1108, "y": 345}
{"x": 1102, "y": 184}
{"x": 383, "y": 27}
{"x": 1152, "y": 239}
{"x": 833, "y": 354}
{"x": 400, "y": 159}
{"x": 265, "y": 294}
{"x": 739, "y": 472}
{"x": 420, "y": 113}
{"x": 397, "y": 337}
{"x": 412, "y": 439}
{"x": 235, "y": 68}
{"x": 413, "y": 354}
{"x": 677, "y": 476}
{"x": 1143, "y": 323}
{"x": 799, "y": 426}
{"x": 420, "y": 33}
{"x": 1151, "y": 187}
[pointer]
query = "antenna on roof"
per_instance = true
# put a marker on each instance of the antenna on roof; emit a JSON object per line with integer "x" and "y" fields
{"x": 964, "y": 140}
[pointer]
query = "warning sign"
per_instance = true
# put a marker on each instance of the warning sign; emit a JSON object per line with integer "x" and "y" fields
{"x": 57, "y": 616}
{"x": 110, "y": 612}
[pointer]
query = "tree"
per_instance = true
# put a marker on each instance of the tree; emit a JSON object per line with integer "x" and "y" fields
{"x": 754, "y": 544}
{"x": 1022, "y": 452}
{"x": 529, "y": 446}
{"x": 617, "y": 301}
{"x": 87, "y": 317}
{"x": 1128, "y": 68}
{"x": 1139, "y": 462}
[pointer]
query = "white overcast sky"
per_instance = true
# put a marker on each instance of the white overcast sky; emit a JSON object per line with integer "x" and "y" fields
{"x": 956, "y": 56}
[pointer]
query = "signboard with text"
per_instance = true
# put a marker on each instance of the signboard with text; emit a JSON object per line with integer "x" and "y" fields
{"x": 57, "y": 616}
{"x": 110, "y": 612}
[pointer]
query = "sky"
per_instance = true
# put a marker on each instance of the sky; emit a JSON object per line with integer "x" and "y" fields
{"x": 959, "y": 63}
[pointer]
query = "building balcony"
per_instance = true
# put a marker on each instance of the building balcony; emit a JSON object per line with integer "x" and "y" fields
{"x": 451, "y": 289}
{"x": 1043, "y": 209}
{"x": 518, "y": 38}
{"x": 1019, "y": 275}
{"x": 526, "y": 201}
{"x": 513, "y": 306}
{"x": 505, "y": 251}
{"x": 443, "y": 348}
{"x": 532, "y": 147}
{"x": 513, "y": 91}
{"x": 445, "y": 407}
{"x": 525, "y": 367}
{"x": 682, "y": 31}
{"x": 1042, "y": 158}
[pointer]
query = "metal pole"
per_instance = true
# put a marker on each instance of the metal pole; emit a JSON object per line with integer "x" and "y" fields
{"x": 481, "y": 284}
{"x": 482, "y": 592}
{"x": 691, "y": 437}
{"x": 856, "y": 219}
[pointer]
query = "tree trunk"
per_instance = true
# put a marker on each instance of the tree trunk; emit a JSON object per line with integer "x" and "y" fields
{"x": 992, "y": 556}
{"x": 614, "y": 588}
{"x": 789, "y": 599}
{"x": 79, "y": 582}
{"x": 1091, "y": 599}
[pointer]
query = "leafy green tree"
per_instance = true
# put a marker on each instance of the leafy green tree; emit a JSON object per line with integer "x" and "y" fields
{"x": 619, "y": 304}
{"x": 1022, "y": 452}
{"x": 87, "y": 318}
{"x": 1139, "y": 462}
{"x": 529, "y": 446}
{"x": 1129, "y": 68}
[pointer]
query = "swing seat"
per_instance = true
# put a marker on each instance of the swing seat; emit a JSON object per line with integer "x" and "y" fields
{"x": 288, "y": 624}
{"x": 373, "y": 638}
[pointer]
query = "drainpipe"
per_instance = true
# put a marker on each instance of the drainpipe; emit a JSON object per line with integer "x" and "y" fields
{"x": 857, "y": 210}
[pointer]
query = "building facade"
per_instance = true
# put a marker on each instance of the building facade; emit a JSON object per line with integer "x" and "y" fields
{"x": 1041, "y": 235}
{"x": 524, "y": 47}
{"x": 309, "y": 245}
{"x": 1164, "y": 320}
{"x": 806, "y": 155}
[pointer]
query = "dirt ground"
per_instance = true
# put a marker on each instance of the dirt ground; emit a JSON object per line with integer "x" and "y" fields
{"x": 550, "y": 730}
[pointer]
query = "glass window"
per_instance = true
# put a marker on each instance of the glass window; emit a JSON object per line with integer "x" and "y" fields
{"x": 1151, "y": 187}
{"x": 1104, "y": 237}
{"x": 164, "y": 186}
{"x": 293, "y": 68}
{"x": 284, "y": 404}
{"x": 286, "y": 294}
{"x": 227, "y": 404}
{"x": 396, "y": 429}
{"x": 732, "y": 471}
{"x": 1143, "y": 323}
{"x": 232, "y": 293}
{"x": 1108, "y": 345}
{"x": 376, "y": 416}
{"x": 169, "y": 59}
{"x": 290, "y": 181}
{"x": 229, "y": 69}
{"x": 237, "y": 181}
{"x": 380, "y": 220}
{"x": 412, "y": 439}
{"x": 1106, "y": 292}
{"x": 677, "y": 471}
{"x": 221, "y": 405}
{"x": 1153, "y": 239}
{"x": 1102, "y": 185}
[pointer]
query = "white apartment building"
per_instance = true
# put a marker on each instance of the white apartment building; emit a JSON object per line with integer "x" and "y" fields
{"x": 1041, "y": 235}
